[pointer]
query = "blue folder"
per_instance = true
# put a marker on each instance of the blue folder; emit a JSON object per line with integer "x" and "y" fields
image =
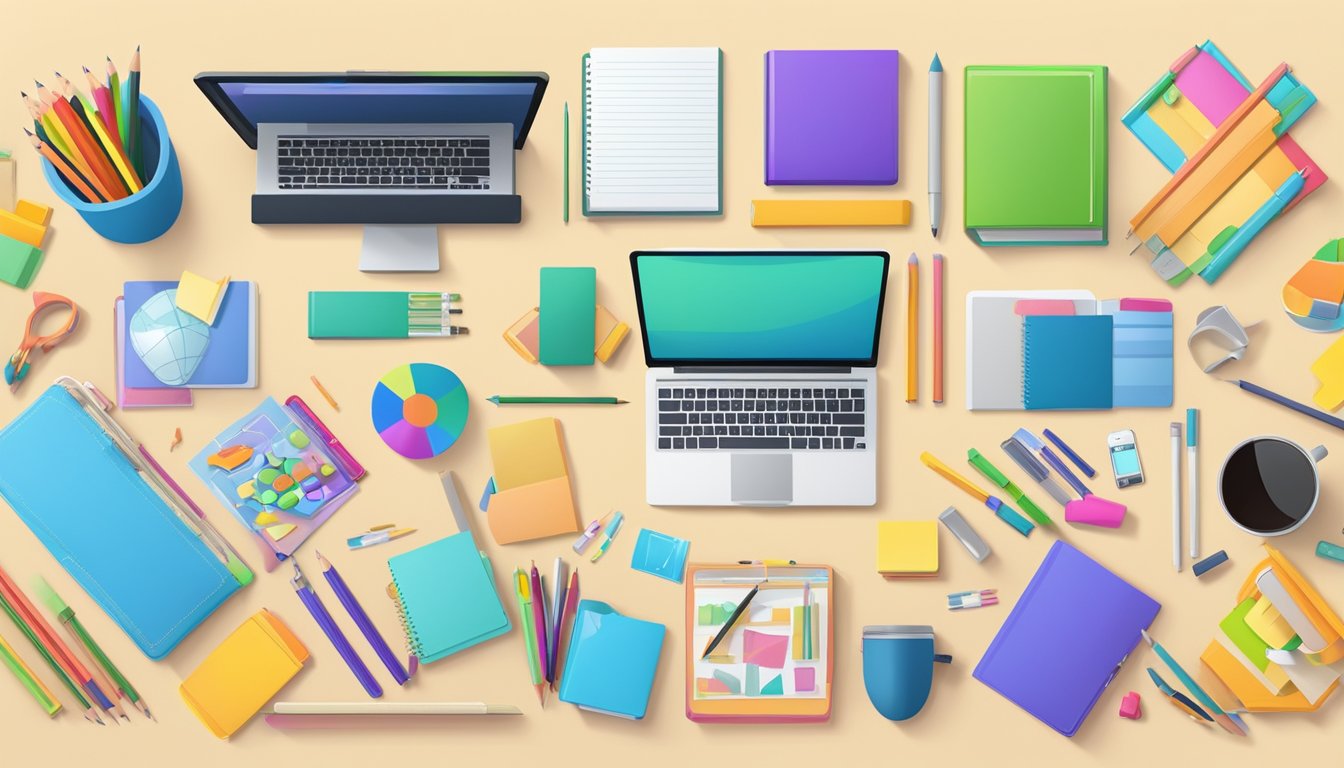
{"x": 89, "y": 499}
{"x": 611, "y": 661}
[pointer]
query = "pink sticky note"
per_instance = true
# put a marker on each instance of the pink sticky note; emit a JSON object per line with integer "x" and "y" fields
{"x": 764, "y": 650}
{"x": 1210, "y": 87}
{"x": 804, "y": 679}
{"x": 1145, "y": 305}
{"x": 1026, "y": 307}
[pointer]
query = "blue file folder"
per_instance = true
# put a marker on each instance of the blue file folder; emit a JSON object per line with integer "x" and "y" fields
{"x": 611, "y": 661}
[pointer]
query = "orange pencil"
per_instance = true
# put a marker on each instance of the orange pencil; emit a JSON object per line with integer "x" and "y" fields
{"x": 75, "y": 178}
{"x": 87, "y": 113}
{"x": 937, "y": 327}
{"x": 912, "y": 331}
{"x": 84, "y": 143}
{"x": 56, "y": 135}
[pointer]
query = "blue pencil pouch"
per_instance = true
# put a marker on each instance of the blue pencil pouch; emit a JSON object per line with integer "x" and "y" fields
{"x": 119, "y": 526}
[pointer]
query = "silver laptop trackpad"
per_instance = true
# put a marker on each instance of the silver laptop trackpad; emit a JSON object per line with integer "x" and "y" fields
{"x": 762, "y": 478}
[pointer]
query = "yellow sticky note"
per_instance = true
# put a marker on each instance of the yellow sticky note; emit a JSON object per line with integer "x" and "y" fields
{"x": 1329, "y": 370}
{"x": 907, "y": 546}
{"x": 200, "y": 296}
{"x": 1265, "y": 621}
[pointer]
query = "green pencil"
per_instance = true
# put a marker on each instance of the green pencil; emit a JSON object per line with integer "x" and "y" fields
{"x": 566, "y": 162}
{"x": 89, "y": 713}
{"x": 503, "y": 400}
{"x": 29, "y": 680}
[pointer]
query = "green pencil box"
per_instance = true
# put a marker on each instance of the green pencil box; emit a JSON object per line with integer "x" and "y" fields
{"x": 568, "y": 310}
{"x": 380, "y": 314}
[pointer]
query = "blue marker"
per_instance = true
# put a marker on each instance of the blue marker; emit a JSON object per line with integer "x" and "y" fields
{"x": 1237, "y": 243}
{"x": 1072, "y": 456}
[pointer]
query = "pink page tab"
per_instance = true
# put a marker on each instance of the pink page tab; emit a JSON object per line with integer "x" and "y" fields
{"x": 763, "y": 649}
{"x": 1145, "y": 305}
{"x": 1210, "y": 87}
{"x": 1025, "y": 307}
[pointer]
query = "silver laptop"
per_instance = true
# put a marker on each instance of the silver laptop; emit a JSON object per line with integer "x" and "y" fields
{"x": 762, "y": 381}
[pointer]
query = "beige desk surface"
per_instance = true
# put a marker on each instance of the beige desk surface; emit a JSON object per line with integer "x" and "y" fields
{"x": 495, "y": 269}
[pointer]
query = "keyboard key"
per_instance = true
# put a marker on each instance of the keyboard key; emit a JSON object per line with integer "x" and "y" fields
{"x": 671, "y": 418}
{"x": 851, "y": 431}
{"x": 664, "y": 393}
{"x": 709, "y": 442}
{"x": 691, "y": 442}
{"x": 664, "y": 442}
{"x": 669, "y": 431}
{"x": 849, "y": 442}
{"x": 847, "y": 418}
{"x": 846, "y": 406}
{"x": 668, "y": 405}
{"x": 798, "y": 442}
{"x": 734, "y": 443}
{"x": 813, "y": 442}
{"x": 677, "y": 393}
{"x": 678, "y": 442}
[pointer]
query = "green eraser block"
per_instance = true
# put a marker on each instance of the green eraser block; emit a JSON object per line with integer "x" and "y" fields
{"x": 298, "y": 439}
{"x": 18, "y": 262}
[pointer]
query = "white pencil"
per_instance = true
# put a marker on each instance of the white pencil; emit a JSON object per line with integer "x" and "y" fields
{"x": 1192, "y": 467}
{"x": 1176, "y": 495}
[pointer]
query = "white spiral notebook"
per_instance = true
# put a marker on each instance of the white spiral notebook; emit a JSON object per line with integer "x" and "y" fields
{"x": 653, "y": 131}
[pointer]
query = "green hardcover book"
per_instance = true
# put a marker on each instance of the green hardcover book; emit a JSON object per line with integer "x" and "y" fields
{"x": 1036, "y": 155}
{"x": 567, "y": 315}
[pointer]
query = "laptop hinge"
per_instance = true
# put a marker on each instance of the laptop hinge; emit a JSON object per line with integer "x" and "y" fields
{"x": 827, "y": 369}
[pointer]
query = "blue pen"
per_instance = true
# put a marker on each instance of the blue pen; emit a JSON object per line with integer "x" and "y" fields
{"x": 1230, "y": 250}
{"x": 1034, "y": 443}
{"x": 1069, "y": 452}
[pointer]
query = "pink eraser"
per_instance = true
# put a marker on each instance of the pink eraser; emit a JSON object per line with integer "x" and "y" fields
{"x": 1094, "y": 510}
{"x": 1129, "y": 706}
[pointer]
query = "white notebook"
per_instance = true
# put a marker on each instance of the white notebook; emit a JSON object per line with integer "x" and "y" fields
{"x": 652, "y": 138}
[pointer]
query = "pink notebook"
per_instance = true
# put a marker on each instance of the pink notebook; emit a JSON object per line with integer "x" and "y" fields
{"x": 140, "y": 397}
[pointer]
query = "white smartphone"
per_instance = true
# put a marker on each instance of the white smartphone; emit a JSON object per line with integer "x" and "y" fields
{"x": 1124, "y": 458}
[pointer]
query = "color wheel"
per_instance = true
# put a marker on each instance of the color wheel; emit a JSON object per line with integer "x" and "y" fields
{"x": 419, "y": 409}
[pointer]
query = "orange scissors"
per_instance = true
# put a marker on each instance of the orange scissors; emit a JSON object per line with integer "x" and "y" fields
{"x": 18, "y": 364}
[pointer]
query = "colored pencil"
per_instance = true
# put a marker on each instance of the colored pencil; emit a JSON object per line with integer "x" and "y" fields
{"x": 566, "y": 613}
{"x": 937, "y": 323}
{"x": 524, "y": 592}
{"x": 42, "y": 124}
{"x": 912, "y": 330}
{"x": 1286, "y": 402}
{"x": 1216, "y": 712}
{"x": 361, "y": 619}
{"x": 32, "y": 682}
{"x": 74, "y": 177}
{"x": 118, "y": 107}
{"x": 325, "y": 394}
{"x": 539, "y": 621}
{"x": 553, "y": 618}
{"x": 510, "y": 400}
{"x": 107, "y": 110}
{"x": 90, "y": 713}
{"x": 67, "y": 616}
{"x": 566, "y": 156}
{"x": 112, "y": 149}
{"x": 61, "y": 141}
{"x": 79, "y": 140}
{"x": 134, "y": 147}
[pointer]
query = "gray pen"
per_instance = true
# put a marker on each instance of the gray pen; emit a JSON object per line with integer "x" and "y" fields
{"x": 1033, "y": 467}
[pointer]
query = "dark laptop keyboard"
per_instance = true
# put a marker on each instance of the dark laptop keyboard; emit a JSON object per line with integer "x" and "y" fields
{"x": 309, "y": 162}
{"x": 747, "y": 418}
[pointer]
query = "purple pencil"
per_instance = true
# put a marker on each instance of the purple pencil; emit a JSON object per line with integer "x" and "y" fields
{"x": 539, "y": 618}
{"x": 362, "y": 621}
{"x": 333, "y": 633}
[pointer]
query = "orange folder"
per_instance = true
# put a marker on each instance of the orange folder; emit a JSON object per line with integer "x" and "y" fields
{"x": 533, "y": 497}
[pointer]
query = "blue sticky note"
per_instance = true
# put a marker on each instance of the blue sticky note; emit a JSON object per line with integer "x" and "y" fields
{"x": 661, "y": 555}
{"x": 487, "y": 493}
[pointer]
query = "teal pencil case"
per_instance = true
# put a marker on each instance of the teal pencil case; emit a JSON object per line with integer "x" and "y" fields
{"x": 114, "y": 520}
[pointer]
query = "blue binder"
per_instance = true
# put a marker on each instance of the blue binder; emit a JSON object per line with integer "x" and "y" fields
{"x": 109, "y": 516}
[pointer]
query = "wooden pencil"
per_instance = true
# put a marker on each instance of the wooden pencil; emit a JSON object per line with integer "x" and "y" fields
{"x": 134, "y": 146}
{"x": 107, "y": 110}
{"x": 86, "y": 111}
{"x": 80, "y": 142}
{"x": 912, "y": 330}
{"x": 118, "y": 107}
{"x": 72, "y": 176}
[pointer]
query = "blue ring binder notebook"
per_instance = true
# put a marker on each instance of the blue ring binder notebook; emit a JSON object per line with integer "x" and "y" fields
{"x": 102, "y": 508}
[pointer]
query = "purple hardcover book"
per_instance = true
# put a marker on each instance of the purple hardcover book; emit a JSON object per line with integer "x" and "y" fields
{"x": 830, "y": 117}
{"x": 1074, "y": 625}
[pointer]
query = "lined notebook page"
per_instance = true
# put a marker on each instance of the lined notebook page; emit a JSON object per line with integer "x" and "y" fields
{"x": 653, "y": 130}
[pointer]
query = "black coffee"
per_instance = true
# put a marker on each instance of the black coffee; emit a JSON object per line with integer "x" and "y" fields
{"x": 1268, "y": 485}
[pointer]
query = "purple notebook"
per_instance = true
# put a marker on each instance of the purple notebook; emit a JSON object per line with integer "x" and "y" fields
{"x": 830, "y": 117}
{"x": 1075, "y": 623}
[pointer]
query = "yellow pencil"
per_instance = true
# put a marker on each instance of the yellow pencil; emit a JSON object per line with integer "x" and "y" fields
{"x": 325, "y": 394}
{"x": 912, "y": 331}
{"x": 110, "y": 148}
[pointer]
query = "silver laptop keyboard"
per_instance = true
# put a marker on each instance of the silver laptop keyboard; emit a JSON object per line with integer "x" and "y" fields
{"x": 416, "y": 162}
{"x": 754, "y": 418}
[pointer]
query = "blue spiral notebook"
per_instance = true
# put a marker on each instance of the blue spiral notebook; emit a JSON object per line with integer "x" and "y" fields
{"x": 124, "y": 532}
{"x": 1066, "y": 362}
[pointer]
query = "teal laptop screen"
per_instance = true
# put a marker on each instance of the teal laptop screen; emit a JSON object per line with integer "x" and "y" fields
{"x": 759, "y": 307}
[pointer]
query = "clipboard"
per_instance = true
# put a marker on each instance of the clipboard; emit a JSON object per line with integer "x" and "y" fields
{"x": 769, "y": 631}
{"x": 117, "y": 523}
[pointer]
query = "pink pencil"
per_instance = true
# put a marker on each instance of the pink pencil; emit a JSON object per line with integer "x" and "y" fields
{"x": 539, "y": 618}
{"x": 937, "y": 327}
{"x": 567, "y": 611}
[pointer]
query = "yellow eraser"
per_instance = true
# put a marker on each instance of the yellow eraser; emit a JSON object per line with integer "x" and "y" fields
{"x": 35, "y": 212}
{"x": 25, "y": 231}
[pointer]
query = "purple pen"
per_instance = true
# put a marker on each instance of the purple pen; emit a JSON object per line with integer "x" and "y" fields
{"x": 333, "y": 633}
{"x": 362, "y": 621}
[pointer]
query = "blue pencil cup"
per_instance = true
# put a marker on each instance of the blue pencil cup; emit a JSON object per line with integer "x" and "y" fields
{"x": 149, "y": 212}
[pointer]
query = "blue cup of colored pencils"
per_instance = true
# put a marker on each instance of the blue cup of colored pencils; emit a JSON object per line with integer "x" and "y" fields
{"x": 148, "y": 212}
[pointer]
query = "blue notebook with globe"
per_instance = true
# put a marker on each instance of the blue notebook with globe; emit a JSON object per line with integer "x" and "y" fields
{"x": 173, "y": 341}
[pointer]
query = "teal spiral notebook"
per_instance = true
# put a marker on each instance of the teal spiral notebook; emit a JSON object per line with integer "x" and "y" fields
{"x": 445, "y": 593}
{"x": 1067, "y": 362}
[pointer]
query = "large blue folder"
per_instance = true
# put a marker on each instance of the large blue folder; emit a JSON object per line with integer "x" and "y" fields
{"x": 82, "y": 487}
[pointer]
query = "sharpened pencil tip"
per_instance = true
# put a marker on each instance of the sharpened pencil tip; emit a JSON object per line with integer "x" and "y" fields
{"x": 913, "y": 259}
{"x": 935, "y": 231}
{"x": 86, "y": 69}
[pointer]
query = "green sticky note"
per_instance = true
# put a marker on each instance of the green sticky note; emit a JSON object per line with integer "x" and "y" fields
{"x": 774, "y": 687}
{"x": 567, "y": 315}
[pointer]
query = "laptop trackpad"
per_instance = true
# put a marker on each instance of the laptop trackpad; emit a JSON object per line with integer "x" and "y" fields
{"x": 762, "y": 478}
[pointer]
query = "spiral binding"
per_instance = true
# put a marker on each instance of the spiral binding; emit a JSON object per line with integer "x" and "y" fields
{"x": 587, "y": 122}
{"x": 407, "y": 628}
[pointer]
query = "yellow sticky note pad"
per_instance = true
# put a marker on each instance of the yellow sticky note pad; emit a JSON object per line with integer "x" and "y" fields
{"x": 200, "y": 296}
{"x": 907, "y": 546}
{"x": 1265, "y": 621}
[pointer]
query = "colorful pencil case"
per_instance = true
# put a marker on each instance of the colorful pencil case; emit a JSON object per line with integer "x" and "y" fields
{"x": 114, "y": 520}
{"x": 243, "y": 673}
{"x": 282, "y": 472}
{"x": 525, "y": 338}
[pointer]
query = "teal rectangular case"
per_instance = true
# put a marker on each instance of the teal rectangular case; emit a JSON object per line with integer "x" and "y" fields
{"x": 568, "y": 309}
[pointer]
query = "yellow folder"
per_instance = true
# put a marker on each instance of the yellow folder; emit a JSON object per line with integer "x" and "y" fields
{"x": 533, "y": 498}
{"x": 830, "y": 213}
{"x": 237, "y": 679}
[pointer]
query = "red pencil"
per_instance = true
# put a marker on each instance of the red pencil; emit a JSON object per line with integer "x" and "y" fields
{"x": 85, "y": 144}
{"x": 566, "y": 612}
{"x": 539, "y": 618}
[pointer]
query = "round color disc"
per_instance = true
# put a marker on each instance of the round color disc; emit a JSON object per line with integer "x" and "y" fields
{"x": 419, "y": 409}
